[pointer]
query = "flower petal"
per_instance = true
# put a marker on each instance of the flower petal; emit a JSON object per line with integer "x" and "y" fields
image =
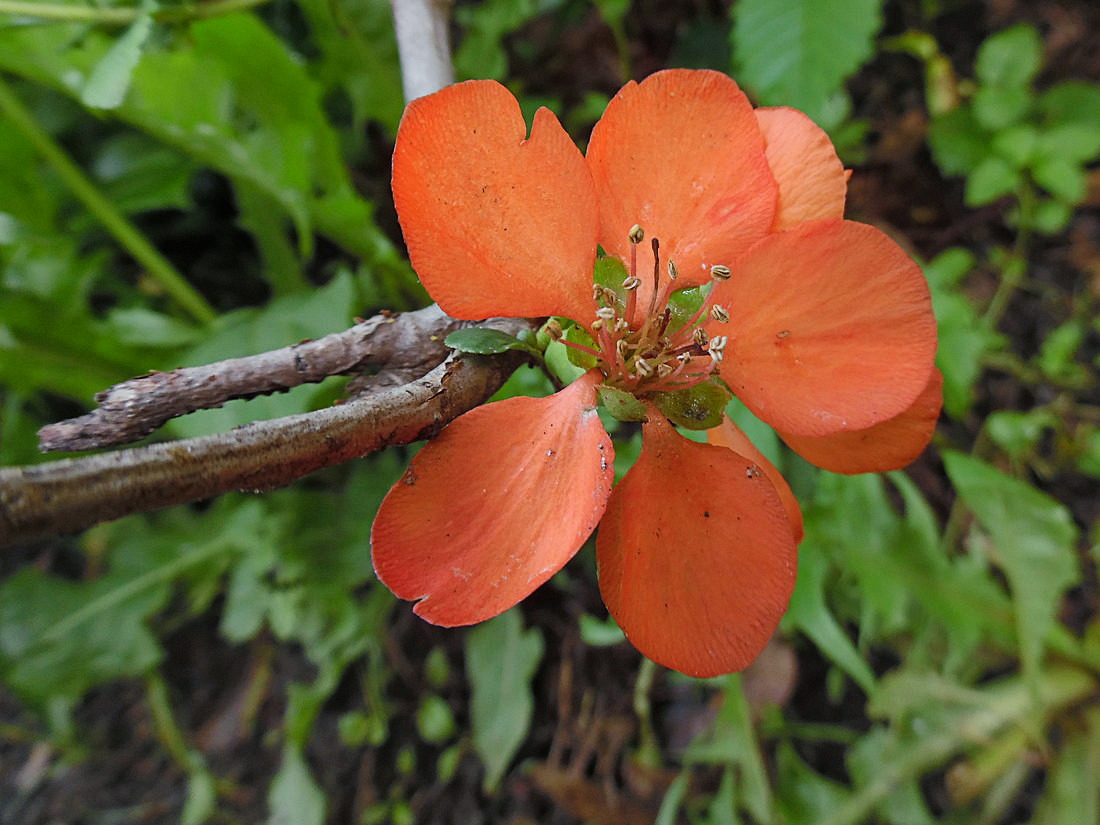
{"x": 812, "y": 180}
{"x": 495, "y": 224}
{"x": 727, "y": 434}
{"x": 681, "y": 155}
{"x": 696, "y": 555}
{"x": 496, "y": 505}
{"x": 886, "y": 446}
{"x": 830, "y": 329}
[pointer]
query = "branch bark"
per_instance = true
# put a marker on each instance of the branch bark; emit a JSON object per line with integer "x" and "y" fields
{"x": 407, "y": 345}
{"x": 76, "y": 493}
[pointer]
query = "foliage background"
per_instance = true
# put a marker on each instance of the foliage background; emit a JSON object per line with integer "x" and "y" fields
{"x": 181, "y": 183}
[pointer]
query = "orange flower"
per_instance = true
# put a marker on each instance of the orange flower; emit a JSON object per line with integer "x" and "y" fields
{"x": 821, "y": 326}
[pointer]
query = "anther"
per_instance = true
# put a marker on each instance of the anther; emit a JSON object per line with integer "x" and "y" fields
{"x": 636, "y": 234}
{"x": 621, "y": 347}
{"x": 664, "y": 370}
{"x": 621, "y": 325}
{"x": 718, "y": 343}
{"x": 632, "y": 282}
{"x": 672, "y": 270}
{"x": 683, "y": 357}
{"x": 643, "y": 367}
{"x": 597, "y": 292}
{"x": 554, "y": 330}
{"x": 597, "y": 325}
{"x": 700, "y": 337}
{"x": 720, "y": 272}
{"x": 607, "y": 313}
{"x": 610, "y": 297}
{"x": 719, "y": 314}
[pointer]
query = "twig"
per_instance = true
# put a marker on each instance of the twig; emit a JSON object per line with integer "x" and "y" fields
{"x": 422, "y": 42}
{"x": 129, "y": 411}
{"x": 76, "y": 493}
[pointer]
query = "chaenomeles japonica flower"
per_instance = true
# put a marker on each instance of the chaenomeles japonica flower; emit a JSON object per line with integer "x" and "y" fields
{"x": 699, "y": 247}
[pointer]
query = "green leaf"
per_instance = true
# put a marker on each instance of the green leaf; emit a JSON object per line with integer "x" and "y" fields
{"x": 1058, "y": 353}
{"x": 109, "y": 81}
{"x": 1033, "y": 539}
{"x": 792, "y": 53}
{"x": 732, "y": 740}
{"x": 483, "y": 341}
{"x": 998, "y": 107}
{"x": 1074, "y": 142}
{"x": 621, "y": 404}
{"x": 1052, "y": 216}
{"x": 1017, "y": 433}
{"x": 294, "y": 797}
{"x": 991, "y": 179}
{"x": 1062, "y": 177}
{"x": 600, "y": 634}
{"x": 579, "y": 335}
{"x": 1071, "y": 103}
{"x": 964, "y": 336}
{"x": 560, "y": 363}
{"x": 1016, "y": 144}
{"x": 1011, "y": 57}
{"x": 434, "y": 720}
{"x": 501, "y": 658}
{"x": 958, "y": 141}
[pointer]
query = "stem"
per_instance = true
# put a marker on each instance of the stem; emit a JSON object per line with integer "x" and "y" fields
{"x": 421, "y": 27}
{"x": 106, "y": 212}
{"x": 121, "y": 17}
{"x": 1015, "y": 269}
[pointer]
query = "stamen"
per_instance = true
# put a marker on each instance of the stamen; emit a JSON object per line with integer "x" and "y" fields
{"x": 673, "y": 272}
{"x": 597, "y": 292}
{"x": 643, "y": 367}
{"x": 636, "y": 234}
{"x": 553, "y": 329}
{"x": 621, "y": 325}
{"x": 606, "y": 313}
{"x": 700, "y": 337}
{"x": 720, "y": 272}
{"x": 632, "y": 282}
{"x": 719, "y": 314}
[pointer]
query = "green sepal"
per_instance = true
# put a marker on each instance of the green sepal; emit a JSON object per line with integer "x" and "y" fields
{"x": 484, "y": 341}
{"x": 579, "y": 335}
{"x": 621, "y": 404}
{"x": 696, "y": 408}
{"x": 684, "y": 304}
{"x": 557, "y": 361}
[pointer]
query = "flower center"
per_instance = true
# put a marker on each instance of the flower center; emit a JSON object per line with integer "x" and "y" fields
{"x": 661, "y": 346}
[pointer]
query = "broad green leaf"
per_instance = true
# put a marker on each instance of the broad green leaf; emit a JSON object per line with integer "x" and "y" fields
{"x": 905, "y": 803}
{"x": 1074, "y": 103}
{"x": 1073, "y": 142}
{"x": 1016, "y": 432}
{"x": 998, "y": 107}
{"x": 435, "y": 722}
{"x": 697, "y": 408}
{"x": 1016, "y": 144}
{"x": 560, "y": 363}
{"x": 481, "y": 341}
{"x": 1033, "y": 539}
{"x": 1010, "y": 58}
{"x": 991, "y": 179}
{"x": 1062, "y": 177}
{"x": 795, "y": 53}
{"x": 294, "y": 797}
{"x": 958, "y": 141}
{"x": 501, "y": 658}
{"x": 107, "y": 84}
